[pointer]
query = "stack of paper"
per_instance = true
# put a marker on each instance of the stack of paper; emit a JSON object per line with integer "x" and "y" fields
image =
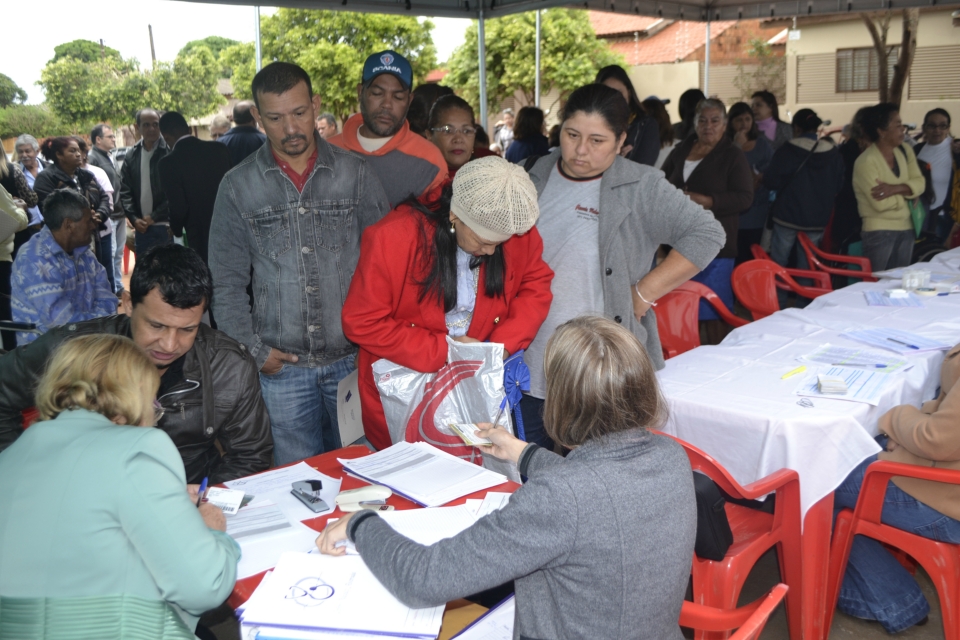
{"x": 896, "y": 340}
{"x": 884, "y": 299}
{"x": 862, "y": 386}
{"x": 496, "y": 624}
{"x": 831, "y": 384}
{"x": 310, "y": 593}
{"x": 422, "y": 473}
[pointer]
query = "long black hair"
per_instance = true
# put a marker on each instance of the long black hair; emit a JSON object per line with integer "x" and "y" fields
{"x": 438, "y": 256}
{"x": 616, "y": 72}
{"x": 738, "y": 109}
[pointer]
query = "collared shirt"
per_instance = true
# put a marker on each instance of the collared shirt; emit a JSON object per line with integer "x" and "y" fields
{"x": 49, "y": 287}
{"x": 34, "y": 212}
{"x": 299, "y": 179}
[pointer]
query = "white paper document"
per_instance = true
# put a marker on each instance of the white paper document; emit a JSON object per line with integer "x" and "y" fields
{"x": 227, "y": 499}
{"x": 903, "y": 342}
{"x": 311, "y": 592}
{"x": 276, "y": 485}
{"x": 262, "y": 552}
{"x": 862, "y": 386}
{"x": 881, "y": 299}
{"x": 259, "y": 517}
{"x": 496, "y": 624}
{"x": 855, "y": 357}
{"x": 423, "y": 473}
{"x": 493, "y": 501}
{"x": 428, "y": 526}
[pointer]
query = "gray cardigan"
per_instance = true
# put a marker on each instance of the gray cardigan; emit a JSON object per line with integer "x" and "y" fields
{"x": 639, "y": 211}
{"x": 599, "y": 543}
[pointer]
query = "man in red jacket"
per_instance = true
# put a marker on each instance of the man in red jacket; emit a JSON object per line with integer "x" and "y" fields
{"x": 407, "y": 165}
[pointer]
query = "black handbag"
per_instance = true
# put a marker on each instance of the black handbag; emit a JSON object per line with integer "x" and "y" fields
{"x": 714, "y": 536}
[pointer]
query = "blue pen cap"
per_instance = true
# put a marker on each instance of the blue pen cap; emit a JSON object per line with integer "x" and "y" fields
{"x": 388, "y": 62}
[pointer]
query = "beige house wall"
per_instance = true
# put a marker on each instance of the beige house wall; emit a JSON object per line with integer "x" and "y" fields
{"x": 811, "y": 68}
{"x": 665, "y": 81}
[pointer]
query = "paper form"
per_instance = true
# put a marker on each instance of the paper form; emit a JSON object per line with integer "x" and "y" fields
{"x": 496, "y": 624}
{"x": 311, "y": 592}
{"x": 258, "y": 517}
{"x": 896, "y": 340}
{"x": 227, "y": 499}
{"x": 262, "y": 552}
{"x": 493, "y": 501}
{"x": 880, "y": 299}
{"x": 855, "y": 357}
{"x": 862, "y": 386}
{"x": 275, "y": 486}
{"x": 428, "y": 526}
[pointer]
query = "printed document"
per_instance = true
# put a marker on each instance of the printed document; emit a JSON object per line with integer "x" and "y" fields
{"x": 880, "y": 299}
{"x": 276, "y": 485}
{"x": 496, "y": 624}
{"x": 862, "y": 386}
{"x": 855, "y": 357}
{"x": 428, "y": 526}
{"x": 904, "y": 342}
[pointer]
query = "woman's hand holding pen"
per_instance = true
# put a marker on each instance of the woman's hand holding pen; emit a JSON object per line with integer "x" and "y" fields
{"x": 505, "y": 446}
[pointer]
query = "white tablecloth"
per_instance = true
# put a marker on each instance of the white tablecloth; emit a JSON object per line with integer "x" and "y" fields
{"x": 730, "y": 401}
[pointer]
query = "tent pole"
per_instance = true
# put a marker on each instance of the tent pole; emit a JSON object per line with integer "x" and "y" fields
{"x": 259, "y": 50}
{"x": 706, "y": 60}
{"x": 537, "y": 91}
{"x": 483, "y": 70}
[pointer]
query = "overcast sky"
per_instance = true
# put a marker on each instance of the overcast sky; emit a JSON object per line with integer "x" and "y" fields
{"x": 33, "y": 29}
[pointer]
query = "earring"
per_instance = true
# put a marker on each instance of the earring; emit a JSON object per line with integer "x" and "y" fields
{"x": 452, "y": 228}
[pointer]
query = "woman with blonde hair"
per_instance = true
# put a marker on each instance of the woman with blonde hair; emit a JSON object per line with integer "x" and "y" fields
{"x": 100, "y": 536}
{"x": 599, "y": 543}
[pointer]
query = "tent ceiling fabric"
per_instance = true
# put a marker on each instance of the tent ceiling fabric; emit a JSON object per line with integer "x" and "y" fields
{"x": 691, "y": 10}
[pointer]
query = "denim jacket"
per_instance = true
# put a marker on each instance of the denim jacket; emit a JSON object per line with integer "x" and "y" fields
{"x": 303, "y": 249}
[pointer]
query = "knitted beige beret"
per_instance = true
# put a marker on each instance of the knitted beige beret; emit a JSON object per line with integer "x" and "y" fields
{"x": 495, "y": 198}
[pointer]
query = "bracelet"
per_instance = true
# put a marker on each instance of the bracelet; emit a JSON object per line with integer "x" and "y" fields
{"x": 636, "y": 288}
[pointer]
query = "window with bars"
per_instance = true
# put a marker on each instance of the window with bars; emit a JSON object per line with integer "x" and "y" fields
{"x": 859, "y": 69}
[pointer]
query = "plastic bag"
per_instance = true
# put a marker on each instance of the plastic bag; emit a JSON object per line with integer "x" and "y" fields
{"x": 419, "y": 407}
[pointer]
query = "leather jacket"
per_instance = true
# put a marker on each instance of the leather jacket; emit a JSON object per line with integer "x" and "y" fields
{"x": 130, "y": 184}
{"x": 53, "y": 177}
{"x": 99, "y": 158}
{"x": 216, "y": 407}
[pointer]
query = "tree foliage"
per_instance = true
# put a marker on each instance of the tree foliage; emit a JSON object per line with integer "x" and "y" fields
{"x": 10, "y": 92}
{"x": 331, "y": 46}
{"x": 188, "y": 85}
{"x": 36, "y": 120}
{"x": 766, "y": 71}
{"x": 891, "y": 89}
{"x": 570, "y": 56}
{"x": 216, "y": 45}
{"x": 83, "y": 50}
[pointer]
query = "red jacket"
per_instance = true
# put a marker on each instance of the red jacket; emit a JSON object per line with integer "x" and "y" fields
{"x": 384, "y": 316}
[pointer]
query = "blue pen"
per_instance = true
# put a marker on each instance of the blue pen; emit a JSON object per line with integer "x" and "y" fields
{"x": 503, "y": 404}
{"x": 845, "y": 364}
{"x": 906, "y": 344}
{"x": 201, "y": 492}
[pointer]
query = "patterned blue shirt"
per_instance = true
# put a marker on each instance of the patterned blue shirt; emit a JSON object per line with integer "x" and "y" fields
{"x": 50, "y": 288}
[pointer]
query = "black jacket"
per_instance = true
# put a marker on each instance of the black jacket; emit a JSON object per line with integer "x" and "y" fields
{"x": 644, "y": 136}
{"x": 805, "y": 201}
{"x": 190, "y": 176}
{"x": 100, "y": 159}
{"x": 53, "y": 178}
{"x": 218, "y": 403}
{"x": 242, "y": 140}
{"x": 130, "y": 184}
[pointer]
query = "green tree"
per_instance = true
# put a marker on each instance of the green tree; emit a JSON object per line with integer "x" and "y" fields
{"x": 83, "y": 93}
{"x": 570, "y": 56}
{"x": 37, "y": 120}
{"x": 331, "y": 66}
{"x": 85, "y": 50}
{"x": 241, "y": 59}
{"x": 10, "y": 92}
{"x": 216, "y": 44}
{"x": 188, "y": 85}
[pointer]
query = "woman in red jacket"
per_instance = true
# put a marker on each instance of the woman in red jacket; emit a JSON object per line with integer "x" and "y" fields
{"x": 471, "y": 269}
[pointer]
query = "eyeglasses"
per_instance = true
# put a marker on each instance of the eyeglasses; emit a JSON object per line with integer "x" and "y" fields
{"x": 941, "y": 127}
{"x": 158, "y": 412}
{"x": 449, "y": 130}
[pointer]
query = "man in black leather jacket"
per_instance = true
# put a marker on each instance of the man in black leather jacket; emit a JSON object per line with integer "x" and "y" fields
{"x": 153, "y": 223}
{"x": 209, "y": 387}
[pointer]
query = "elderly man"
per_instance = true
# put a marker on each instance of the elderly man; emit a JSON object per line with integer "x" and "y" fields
{"x": 56, "y": 278}
{"x": 219, "y": 126}
{"x": 104, "y": 141}
{"x": 406, "y": 163}
{"x": 292, "y": 215}
{"x": 326, "y": 125}
{"x": 244, "y": 139}
{"x": 209, "y": 390}
{"x": 143, "y": 200}
{"x": 28, "y": 150}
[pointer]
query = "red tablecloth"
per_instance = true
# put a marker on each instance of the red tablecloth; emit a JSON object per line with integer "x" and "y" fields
{"x": 327, "y": 464}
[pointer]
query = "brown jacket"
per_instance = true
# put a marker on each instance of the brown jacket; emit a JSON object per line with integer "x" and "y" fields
{"x": 930, "y": 437}
{"x": 725, "y": 175}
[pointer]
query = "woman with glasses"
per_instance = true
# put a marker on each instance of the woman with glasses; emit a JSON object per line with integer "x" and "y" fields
{"x": 885, "y": 176}
{"x": 469, "y": 269}
{"x": 452, "y": 129}
{"x": 100, "y": 536}
{"x": 942, "y": 153}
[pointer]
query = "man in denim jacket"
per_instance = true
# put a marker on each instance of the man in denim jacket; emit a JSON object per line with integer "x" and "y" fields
{"x": 292, "y": 214}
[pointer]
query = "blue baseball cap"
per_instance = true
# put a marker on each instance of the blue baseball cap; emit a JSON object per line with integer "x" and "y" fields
{"x": 388, "y": 62}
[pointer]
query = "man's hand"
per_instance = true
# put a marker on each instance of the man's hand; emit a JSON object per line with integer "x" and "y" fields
{"x": 275, "y": 361}
{"x": 505, "y": 446}
{"x": 334, "y": 533}
{"x": 141, "y": 225}
{"x": 213, "y": 517}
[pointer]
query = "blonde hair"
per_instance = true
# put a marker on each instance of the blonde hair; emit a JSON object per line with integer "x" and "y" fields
{"x": 599, "y": 381}
{"x": 107, "y": 374}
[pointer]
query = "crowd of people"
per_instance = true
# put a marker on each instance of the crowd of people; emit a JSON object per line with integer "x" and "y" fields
{"x": 288, "y": 251}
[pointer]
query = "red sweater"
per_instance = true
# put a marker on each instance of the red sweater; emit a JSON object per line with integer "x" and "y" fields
{"x": 384, "y": 316}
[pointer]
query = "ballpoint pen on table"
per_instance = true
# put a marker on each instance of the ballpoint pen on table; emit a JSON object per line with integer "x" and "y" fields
{"x": 846, "y": 364}
{"x": 201, "y": 491}
{"x": 503, "y": 404}
{"x": 906, "y": 344}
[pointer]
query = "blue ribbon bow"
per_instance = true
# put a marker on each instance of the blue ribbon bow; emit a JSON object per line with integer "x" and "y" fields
{"x": 516, "y": 380}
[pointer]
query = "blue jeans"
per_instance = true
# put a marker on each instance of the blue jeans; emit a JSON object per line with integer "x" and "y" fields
{"x": 156, "y": 234}
{"x": 105, "y": 258}
{"x": 302, "y": 403}
{"x": 119, "y": 242}
{"x": 876, "y": 586}
{"x": 782, "y": 243}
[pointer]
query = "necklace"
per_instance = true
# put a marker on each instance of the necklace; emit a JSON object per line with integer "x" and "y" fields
{"x": 465, "y": 322}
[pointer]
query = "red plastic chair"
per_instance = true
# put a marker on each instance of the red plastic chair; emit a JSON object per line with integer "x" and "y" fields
{"x": 718, "y": 584}
{"x": 820, "y": 279}
{"x": 816, "y": 256}
{"x": 748, "y": 620}
{"x": 755, "y": 285}
{"x": 941, "y": 560}
{"x": 677, "y": 317}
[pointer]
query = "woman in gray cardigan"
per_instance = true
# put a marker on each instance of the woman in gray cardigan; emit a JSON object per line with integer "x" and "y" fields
{"x": 602, "y": 219}
{"x": 599, "y": 543}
